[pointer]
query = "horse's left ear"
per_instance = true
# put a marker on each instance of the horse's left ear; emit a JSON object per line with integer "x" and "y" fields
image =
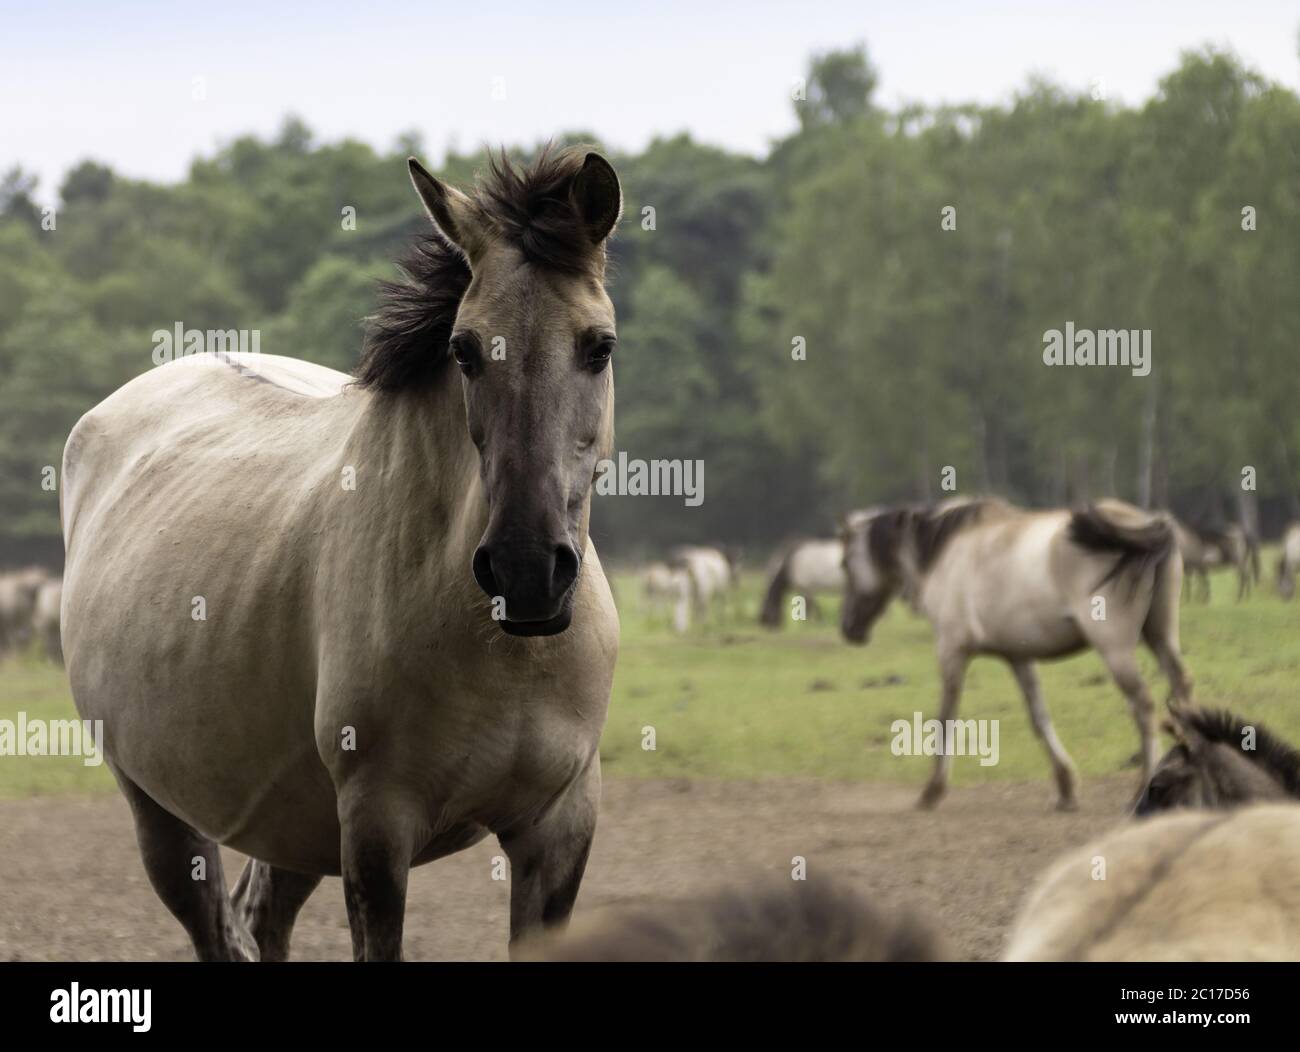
{"x": 597, "y": 196}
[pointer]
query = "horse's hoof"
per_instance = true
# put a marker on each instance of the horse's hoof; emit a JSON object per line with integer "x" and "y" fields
{"x": 929, "y": 800}
{"x": 1067, "y": 805}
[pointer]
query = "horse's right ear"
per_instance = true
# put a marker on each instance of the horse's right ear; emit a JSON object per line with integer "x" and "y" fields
{"x": 452, "y": 212}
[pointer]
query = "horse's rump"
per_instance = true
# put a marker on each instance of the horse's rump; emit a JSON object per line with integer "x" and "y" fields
{"x": 1141, "y": 540}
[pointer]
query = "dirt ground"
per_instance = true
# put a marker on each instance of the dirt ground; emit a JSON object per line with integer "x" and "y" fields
{"x": 72, "y": 886}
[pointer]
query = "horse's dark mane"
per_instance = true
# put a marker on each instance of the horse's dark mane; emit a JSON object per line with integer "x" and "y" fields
{"x": 885, "y": 535}
{"x": 934, "y": 527}
{"x": 931, "y": 528}
{"x": 533, "y": 209}
{"x": 1270, "y": 752}
{"x": 406, "y": 342}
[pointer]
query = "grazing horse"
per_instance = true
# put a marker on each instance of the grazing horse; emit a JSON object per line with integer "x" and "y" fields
{"x": 1025, "y": 586}
{"x": 18, "y": 593}
{"x": 1201, "y": 550}
{"x": 1242, "y": 548}
{"x": 45, "y": 619}
{"x": 1220, "y": 760}
{"x": 1190, "y": 886}
{"x": 668, "y": 592}
{"x": 1289, "y": 561}
{"x": 778, "y": 920}
{"x": 712, "y": 576}
{"x": 1205, "y": 549}
{"x": 805, "y": 568}
{"x": 270, "y": 594}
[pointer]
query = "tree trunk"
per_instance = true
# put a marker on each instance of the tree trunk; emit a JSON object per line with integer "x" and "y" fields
{"x": 1147, "y": 448}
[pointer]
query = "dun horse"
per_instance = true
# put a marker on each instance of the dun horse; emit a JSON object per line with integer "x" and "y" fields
{"x": 1026, "y": 586}
{"x": 1220, "y": 760}
{"x": 1203, "y": 550}
{"x": 668, "y": 595}
{"x": 1289, "y": 561}
{"x": 712, "y": 576}
{"x": 270, "y": 591}
{"x": 805, "y": 568}
{"x": 1194, "y": 886}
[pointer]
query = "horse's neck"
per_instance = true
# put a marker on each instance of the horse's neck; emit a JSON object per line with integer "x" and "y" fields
{"x": 417, "y": 446}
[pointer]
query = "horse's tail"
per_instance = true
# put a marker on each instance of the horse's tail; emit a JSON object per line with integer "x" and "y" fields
{"x": 776, "y": 589}
{"x": 1142, "y": 541}
{"x": 813, "y": 920}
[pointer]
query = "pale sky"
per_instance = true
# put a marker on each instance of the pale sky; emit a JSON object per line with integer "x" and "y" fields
{"x": 115, "y": 81}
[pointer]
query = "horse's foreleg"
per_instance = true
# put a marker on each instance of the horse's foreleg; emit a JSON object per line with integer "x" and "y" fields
{"x": 267, "y": 900}
{"x": 1066, "y": 777}
{"x": 381, "y": 833}
{"x": 548, "y": 855}
{"x": 952, "y": 669}
{"x": 184, "y": 868}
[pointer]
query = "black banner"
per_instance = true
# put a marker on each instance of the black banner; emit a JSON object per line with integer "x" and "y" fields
{"x": 336, "y": 1000}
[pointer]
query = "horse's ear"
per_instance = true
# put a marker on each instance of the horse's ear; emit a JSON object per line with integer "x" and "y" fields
{"x": 597, "y": 196}
{"x": 452, "y": 212}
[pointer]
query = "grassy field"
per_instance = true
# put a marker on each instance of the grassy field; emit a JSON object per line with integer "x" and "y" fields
{"x": 736, "y": 701}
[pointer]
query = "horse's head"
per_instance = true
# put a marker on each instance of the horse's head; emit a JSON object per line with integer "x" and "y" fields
{"x": 1216, "y": 761}
{"x": 533, "y": 337}
{"x": 873, "y": 553}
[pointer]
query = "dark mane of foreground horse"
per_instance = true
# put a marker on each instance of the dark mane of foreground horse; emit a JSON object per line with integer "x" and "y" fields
{"x": 1222, "y": 727}
{"x": 407, "y": 337}
{"x": 780, "y": 920}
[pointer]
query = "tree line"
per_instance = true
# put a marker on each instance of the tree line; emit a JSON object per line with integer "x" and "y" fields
{"x": 859, "y": 316}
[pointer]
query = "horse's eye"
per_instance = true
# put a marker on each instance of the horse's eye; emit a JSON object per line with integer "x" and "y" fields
{"x": 465, "y": 350}
{"x": 599, "y": 354}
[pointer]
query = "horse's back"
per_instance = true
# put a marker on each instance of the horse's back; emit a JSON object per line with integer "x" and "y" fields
{"x": 190, "y": 506}
{"x": 817, "y": 565}
{"x": 195, "y": 406}
{"x": 1197, "y": 885}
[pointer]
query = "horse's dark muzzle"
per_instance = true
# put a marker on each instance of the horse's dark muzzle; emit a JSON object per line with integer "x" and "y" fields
{"x": 535, "y": 585}
{"x": 859, "y": 613}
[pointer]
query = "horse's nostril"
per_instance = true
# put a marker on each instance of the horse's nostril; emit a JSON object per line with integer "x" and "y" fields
{"x": 567, "y": 565}
{"x": 482, "y": 566}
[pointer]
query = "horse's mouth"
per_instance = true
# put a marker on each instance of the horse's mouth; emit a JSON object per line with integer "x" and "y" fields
{"x": 551, "y": 626}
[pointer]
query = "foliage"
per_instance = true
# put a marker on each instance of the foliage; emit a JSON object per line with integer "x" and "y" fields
{"x": 923, "y": 344}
